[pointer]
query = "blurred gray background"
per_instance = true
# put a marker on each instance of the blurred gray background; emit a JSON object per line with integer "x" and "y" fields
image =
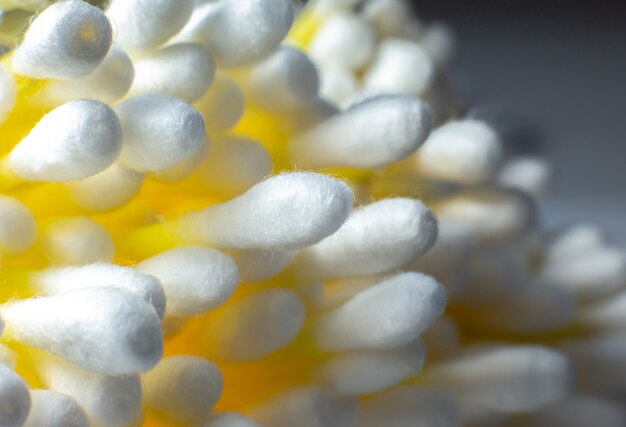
{"x": 558, "y": 67}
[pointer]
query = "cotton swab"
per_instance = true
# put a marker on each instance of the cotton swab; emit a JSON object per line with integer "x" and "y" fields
{"x": 369, "y": 371}
{"x": 464, "y": 152}
{"x": 52, "y": 409}
{"x": 159, "y": 132}
{"x": 259, "y": 265}
{"x": 107, "y": 190}
{"x": 183, "y": 71}
{"x": 182, "y": 389}
{"x": 106, "y": 330}
{"x": 17, "y": 226}
{"x": 306, "y": 407}
{"x": 377, "y": 238}
{"x": 439, "y": 41}
{"x": 392, "y": 313}
{"x": 239, "y": 32}
{"x": 8, "y": 93}
{"x": 568, "y": 243}
{"x": 54, "y": 281}
{"x": 68, "y": 40}
{"x": 222, "y": 104}
{"x": 400, "y": 66}
{"x": 144, "y": 26}
{"x": 285, "y": 211}
{"x": 284, "y": 81}
{"x": 410, "y": 406}
{"x": 195, "y": 279}
{"x": 109, "y": 401}
{"x": 254, "y": 327}
{"x": 389, "y": 17}
{"x": 608, "y": 313}
{"x": 529, "y": 174}
{"x": 185, "y": 168}
{"x": 76, "y": 241}
{"x": 371, "y": 133}
{"x": 14, "y": 398}
{"x": 230, "y": 419}
{"x": 338, "y": 85}
{"x": 65, "y": 145}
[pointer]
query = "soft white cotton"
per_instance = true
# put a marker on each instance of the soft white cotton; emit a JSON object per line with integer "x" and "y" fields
{"x": 77, "y": 241}
{"x": 608, "y": 313}
{"x": 400, "y": 66}
{"x": 380, "y": 237}
{"x": 344, "y": 39}
{"x": 306, "y": 407}
{"x": 239, "y": 32}
{"x": 392, "y": 313}
{"x": 54, "y": 281}
{"x": 230, "y": 419}
{"x": 106, "y": 330}
{"x": 195, "y": 279}
{"x": 465, "y": 152}
{"x": 144, "y": 25}
{"x": 327, "y": 8}
{"x": 371, "y": 133}
{"x": 107, "y": 190}
{"x": 529, "y": 174}
{"x": 109, "y": 401}
{"x": 52, "y": 409}
{"x": 574, "y": 241}
{"x": 338, "y": 84}
{"x": 284, "y": 81}
{"x": 222, "y": 104}
{"x": 14, "y": 398}
{"x": 182, "y": 389}
{"x": 234, "y": 165}
{"x": 369, "y": 371}
{"x": 255, "y": 326}
{"x": 439, "y": 41}
{"x": 389, "y": 17}
{"x": 17, "y": 226}
{"x": 410, "y": 406}
{"x": 285, "y": 211}
{"x": 186, "y": 167}
{"x": 8, "y": 93}
{"x": 68, "y": 40}
{"x": 159, "y": 132}
{"x": 74, "y": 141}
{"x": 259, "y": 265}
{"x": 182, "y": 71}
{"x": 312, "y": 115}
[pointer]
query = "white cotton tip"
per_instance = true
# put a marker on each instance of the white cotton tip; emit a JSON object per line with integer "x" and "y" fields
{"x": 441, "y": 340}
{"x": 54, "y": 281}
{"x": 494, "y": 216}
{"x": 185, "y": 168}
{"x": 14, "y": 398}
{"x": 377, "y": 238}
{"x": 439, "y": 41}
{"x": 574, "y": 241}
{"x": 52, "y": 409}
{"x": 77, "y": 241}
{"x": 284, "y": 81}
{"x": 509, "y": 379}
{"x": 258, "y": 265}
{"x": 8, "y": 93}
{"x": 329, "y": 294}
{"x": 141, "y": 26}
{"x": 400, "y": 66}
{"x": 182, "y": 389}
{"x": 234, "y": 165}
{"x": 18, "y": 229}
{"x": 195, "y": 279}
{"x": 409, "y": 406}
{"x": 389, "y": 17}
{"x": 109, "y": 401}
{"x": 346, "y": 40}
{"x": 326, "y": 8}
{"x": 369, "y": 371}
{"x": 593, "y": 274}
{"x": 609, "y": 313}
{"x": 222, "y": 104}
{"x": 159, "y": 132}
{"x": 311, "y": 115}
{"x": 576, "y": 411}
{"x": 338, "y": 85}
{"x": 392, "y": 313}
{"x": 528, "y": 174}
{"x": 255, "y": 326}
{"x": 106, "y": 330}
{"x": 287, "y": 211}
{"x": 107, "y": 190}
{"x": 230, "y": 419}
{"x": 239, "y": 32}
{"x": 108, "y": 83}
{"x": 68, "y": 40}
{"x": 372, "y": 133}
{"x": 183, "y": 71}
{"x": 74, "y": 141}
{"x": 307, "y": 407}
{"x": 464, "y": 152}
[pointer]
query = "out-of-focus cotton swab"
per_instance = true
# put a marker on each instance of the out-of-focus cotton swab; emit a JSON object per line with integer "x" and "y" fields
{"x": 230, "y": 419}
{"x": 222, "y": 104}
{"x": 52, "y": 409}
{"x": 8, "y": 93}
{"x": 14, "y": 398}
{"x": 17, "y": 226}
{"x": 77, "y": 241}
